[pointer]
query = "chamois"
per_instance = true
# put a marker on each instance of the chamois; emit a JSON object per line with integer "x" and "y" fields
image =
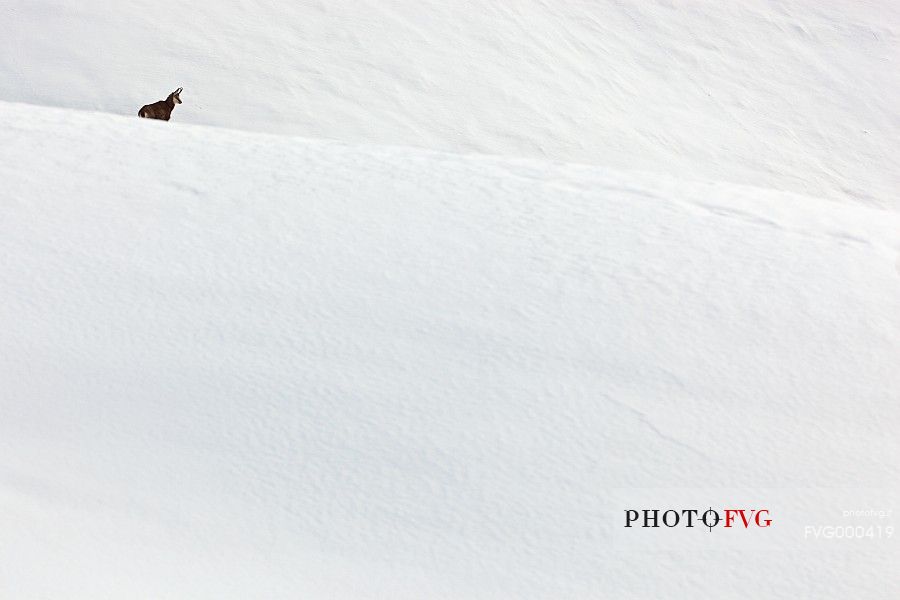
{"x": 162, "y": 109}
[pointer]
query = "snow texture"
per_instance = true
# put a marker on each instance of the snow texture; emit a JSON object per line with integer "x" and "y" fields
{"x": 797, "y": 95}
{"x": 413, "y": 300}
{"x": 242, "y": 365}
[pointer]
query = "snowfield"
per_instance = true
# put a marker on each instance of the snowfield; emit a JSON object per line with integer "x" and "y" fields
{"x": 795, "y": 95}
{"x": 243, "y": 365}
{"x": 414, "y": 300}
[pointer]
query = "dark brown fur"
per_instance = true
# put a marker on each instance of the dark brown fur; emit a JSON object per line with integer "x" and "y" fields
{"x": 163, "y": 109}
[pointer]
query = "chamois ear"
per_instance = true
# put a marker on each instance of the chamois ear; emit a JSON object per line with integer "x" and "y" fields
{"x": 178, "y": 91}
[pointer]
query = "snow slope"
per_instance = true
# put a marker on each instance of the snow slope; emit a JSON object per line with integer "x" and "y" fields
{"x": 242, "y": 365}
{"x": 795, "y": 95}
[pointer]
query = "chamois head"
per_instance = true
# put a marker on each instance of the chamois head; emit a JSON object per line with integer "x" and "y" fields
{"x": 175, "y": 96}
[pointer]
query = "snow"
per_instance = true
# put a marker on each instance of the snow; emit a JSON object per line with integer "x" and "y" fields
{"x": 244, "y": 365}
{"x": 415, "y": 299}
{"x": 795, "y": 95}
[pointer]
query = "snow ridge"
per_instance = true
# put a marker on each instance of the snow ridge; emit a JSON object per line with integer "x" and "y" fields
{"x": 263, "y": 366}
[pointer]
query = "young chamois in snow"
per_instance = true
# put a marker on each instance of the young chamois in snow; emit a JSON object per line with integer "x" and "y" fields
{"x": 162, "y": 109}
